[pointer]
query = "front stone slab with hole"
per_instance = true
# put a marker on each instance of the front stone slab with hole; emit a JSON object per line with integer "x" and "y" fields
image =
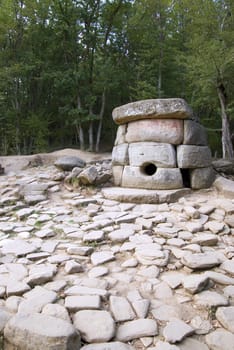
{"x": 160, "y": 145}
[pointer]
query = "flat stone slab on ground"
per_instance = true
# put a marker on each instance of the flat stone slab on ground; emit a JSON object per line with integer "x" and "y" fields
{"x": 176, "y": 330}
{"x": 201, "y": 260}
{"x": 95, "y": 326}
{"x": 225, "y": 315}
{"x": 108, "y": 346}
{"x": 220, "y": 340}
{"x": 136, "y": 195}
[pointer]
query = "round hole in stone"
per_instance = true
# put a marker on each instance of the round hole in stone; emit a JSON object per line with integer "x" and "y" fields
{"x": 148, "y": 169}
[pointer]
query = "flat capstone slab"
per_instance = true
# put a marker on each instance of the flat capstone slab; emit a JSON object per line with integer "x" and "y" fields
{"x": 153, "y": 108}
{"x": 40, "y": 331}
{"x": 144, "y": 196}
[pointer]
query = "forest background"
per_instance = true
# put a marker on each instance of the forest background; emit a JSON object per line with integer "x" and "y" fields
{"x": 65, "y": 64}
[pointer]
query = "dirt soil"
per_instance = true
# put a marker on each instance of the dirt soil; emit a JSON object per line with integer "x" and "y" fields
{"x": 19, "y": 162}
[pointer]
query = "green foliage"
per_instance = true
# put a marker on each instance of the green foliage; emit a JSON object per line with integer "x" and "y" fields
{"x": 65, "y": 64}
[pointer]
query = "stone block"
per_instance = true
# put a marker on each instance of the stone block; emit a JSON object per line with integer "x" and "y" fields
{"x": 156, "y": 130}
{"x": 201, "y": 178}
{"x": 40, "y": 331}
{"x": 194, "y": 133}
{"x": 160, "y": 154}
{"x": 117, "y": 171}
{"x": 191, "y": 157}
{"x": 168, "y": 108}
{"x": 120, "y": 135}
{"x": 120, "y": 154}
{"x": 162, "y": 179}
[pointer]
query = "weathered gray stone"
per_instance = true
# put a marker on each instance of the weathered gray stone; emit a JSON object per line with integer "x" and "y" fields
{"x": 108, "y": 346}
{"x": 94, "y": 236}
{"x": 56, "y": 310}
{"x": 228, "y": 266}
{"x": 102, "y": 257}
{"x": 137, "y": 195}
{"x": 18, "y": 247}
{"x": 171, "y": 108}
{"x": 136, "y": 329}
{"x": 36, "y": 299}
{"x": 40, "y": 331}
{"x": 69, "y": 162}
{"x": 161, "y": 345}
{"x": 121, "y": 235}
{"x": 88, "y": 176}
{"x": 120, "y": 134}
{"x": 83, "y": 290}
{"x": 195, "y": 283}
{"x": 5, "y": 316}
{"x": 208, "y": 298}
{"x": 72, "y": 266}
{"x": 117, "y": 171}
{"x": 162, "y": 155}
{"x": 220, "y": 340}
{"x": 201, "y": 178}
{"x": 82, "y": 302}
{"x": 176, "y": 330}
{"x": 192, "y": 344}
{"x": 121, "y": 309}
{"x": 193, "y": 156}
{"x": 120, "y": 154}
{"x": 150, "y": 254}
{"x": 194, "y": 133}
{"x": 224, "y": 186}
{"x": 141, "y": 307}
{"x": 225, "y": 315}
{"x": 156, "y": 130}
{"x": 162, "y": 179}
{"x": 201, "y": 260}
{"x": 94, "y": 326}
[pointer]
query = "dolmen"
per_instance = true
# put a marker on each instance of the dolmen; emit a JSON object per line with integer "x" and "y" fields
{"x": 160, "y": 145}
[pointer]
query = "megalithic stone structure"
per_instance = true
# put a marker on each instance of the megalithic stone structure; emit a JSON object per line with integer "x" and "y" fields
{"x": 160, "y": 145}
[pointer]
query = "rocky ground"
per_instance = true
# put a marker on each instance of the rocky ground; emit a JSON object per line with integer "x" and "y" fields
{"x": 79, "y": 271}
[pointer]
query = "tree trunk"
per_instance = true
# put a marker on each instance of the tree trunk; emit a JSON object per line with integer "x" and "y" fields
{"x": 80, "y": 133}
{"x": 101, "y": 114}
{"x": 91, "y": 143}
{"x": 226, "y": 134}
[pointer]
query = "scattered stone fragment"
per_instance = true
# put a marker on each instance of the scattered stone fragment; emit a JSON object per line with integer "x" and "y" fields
{"x": 136, "y": 329}
{"x": 5, "y": 316}
{"x": 82, "y": 290}
{"x": 95, "y": 326}
{"x": 220, "y": 340}
{"x": 94, "y": 236}
{"x": 68, "y": 163}
{"x": 141, "y": 307}
{"x": 36, "y": 299}
{"x": 40, "y": 331}
{"x": 18, "y": 247}
{"x": 72, "y": 266}
{"x": 102, "y": 257}
{"x": 176, "y": 330}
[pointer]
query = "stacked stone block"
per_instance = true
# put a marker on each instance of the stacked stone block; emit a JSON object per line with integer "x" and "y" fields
{"x": 160, "y": 145}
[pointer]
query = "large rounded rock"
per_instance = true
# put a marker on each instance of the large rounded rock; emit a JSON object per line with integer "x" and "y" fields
{"x": 40, "y": 331}
{"x": 168, "y": 108}
{"x": 68, "y": 163}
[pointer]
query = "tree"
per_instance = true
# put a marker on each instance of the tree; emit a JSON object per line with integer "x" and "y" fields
{"x": 209, "y": 59}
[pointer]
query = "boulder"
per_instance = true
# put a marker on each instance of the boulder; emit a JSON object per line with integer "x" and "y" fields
{"x": 193, "y": 156}
{"x": 68, "y": 163}
{"x": 194, "y": 133}
{"x": 201, "y": 178}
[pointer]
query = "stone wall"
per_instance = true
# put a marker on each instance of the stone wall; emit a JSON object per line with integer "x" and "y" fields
{"x": 160, "y": 145}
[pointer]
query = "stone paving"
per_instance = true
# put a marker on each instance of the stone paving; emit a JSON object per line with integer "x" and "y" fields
{"x": 78, "y": 271}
